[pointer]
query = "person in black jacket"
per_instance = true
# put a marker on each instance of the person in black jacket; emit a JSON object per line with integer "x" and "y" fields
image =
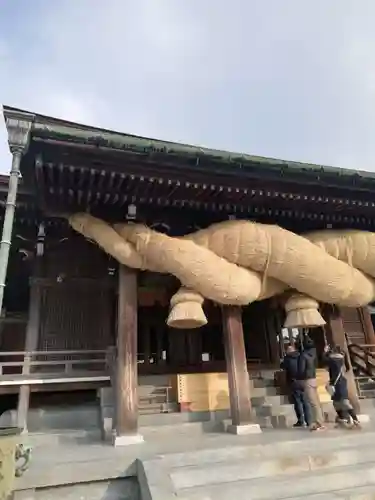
{"x": 307, "y": 370}
{"x": 290, "y": 365}
{"x": 337, "y": 364}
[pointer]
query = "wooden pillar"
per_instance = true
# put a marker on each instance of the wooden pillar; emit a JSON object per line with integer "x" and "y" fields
{"x": 126, "y": 421}
{"x": 238, "y": 376}
{"x": 32, "y": 328}
{"x": 335, "y": 334}
{"x": 271, "y": 332}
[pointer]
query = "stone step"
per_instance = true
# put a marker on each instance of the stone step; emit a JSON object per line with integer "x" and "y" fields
{"x": 263, "y": 382}
{"x": 120, "y": 489}
{"x": 335, "y": 448}
{"x": 267, "y": 374}
{"x": 283, "y": 421}
{"x": 117, "y": 489}
{"x": 315, "y": 485}
{"x": 269, "y": 410}
{"x": 275, "y": 400}
{"x": 144, "y": 391}
{"x": 360, "y": 493}
{"x": 149, "y": 409}
{"x": 338, "y": 448}
{"x": 256, "y": 392}
{"x": 331, "y": 464}
{"x": 269, "y": 467}
{"x": 258, "y": 388}
{"x": 148, "y": 425}
{"x": 191, "y": 428}
{"x": 180, "y": 418}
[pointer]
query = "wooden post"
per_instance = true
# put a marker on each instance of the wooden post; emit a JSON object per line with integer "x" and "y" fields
{"x": 238, "y": 376}
{"x": 336, "y": 335}
{"x": 126, "y": 422}
{"x": 32, "y": 328}
{"x": 271, "y": 332}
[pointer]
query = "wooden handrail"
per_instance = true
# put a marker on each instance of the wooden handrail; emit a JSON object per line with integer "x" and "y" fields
{"x": 362, "y": 358}
{"x": 71, "y": 361}
{"x": 52, "y": 353}
{"x": 362, "y": 347}
{"x": 54, "y": 363}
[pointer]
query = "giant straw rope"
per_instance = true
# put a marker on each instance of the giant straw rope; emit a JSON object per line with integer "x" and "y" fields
{"x": 239, "y": 262}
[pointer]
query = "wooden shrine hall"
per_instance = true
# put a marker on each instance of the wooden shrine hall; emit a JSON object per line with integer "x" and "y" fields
{"x": 67, "y": 303}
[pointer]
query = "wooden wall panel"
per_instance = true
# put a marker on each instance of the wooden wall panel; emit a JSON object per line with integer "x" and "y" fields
{"x": 76, "y": 318}
{"x": 74, "y": 257}
{"x": 257, "y": 331}
{"x": 13, "y": 335}
{"x": 77, "y": 310}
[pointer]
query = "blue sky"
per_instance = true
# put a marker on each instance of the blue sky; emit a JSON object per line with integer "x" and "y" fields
{"x": 290, "y": 79}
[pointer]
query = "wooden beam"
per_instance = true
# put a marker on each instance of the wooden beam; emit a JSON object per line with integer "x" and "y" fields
{"x": 126, "y": 421}
{"x": 39, "y": 176}
{"x": 238, "y": 376}
{"x": 335, "y": 334}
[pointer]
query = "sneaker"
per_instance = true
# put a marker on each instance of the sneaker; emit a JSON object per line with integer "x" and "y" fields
{"x": 317, "y": 427}
{"x": 340, "y": 423}
{"x": 348, "y": 424}
{"x": 299, "y": 424}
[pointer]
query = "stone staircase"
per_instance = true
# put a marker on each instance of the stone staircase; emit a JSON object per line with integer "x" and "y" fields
{"x": 337, "y": 465}
{"x": 277, "y": 465}
{"x": 270, "y": 408}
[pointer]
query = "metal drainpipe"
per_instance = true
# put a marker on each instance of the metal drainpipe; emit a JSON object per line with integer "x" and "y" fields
{"x": 6, "y": 237}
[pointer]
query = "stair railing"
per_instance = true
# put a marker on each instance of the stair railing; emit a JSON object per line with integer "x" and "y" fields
{"x": 364, "y": 392}
{"x": 363, "y": 358}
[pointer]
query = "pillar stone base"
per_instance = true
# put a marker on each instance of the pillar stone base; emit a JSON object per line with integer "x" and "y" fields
{"x": 244, "y": 429}
{"x": 127, "y": 440}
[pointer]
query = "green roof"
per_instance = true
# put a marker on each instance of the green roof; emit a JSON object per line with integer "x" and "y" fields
{"x": 53, "y": 128}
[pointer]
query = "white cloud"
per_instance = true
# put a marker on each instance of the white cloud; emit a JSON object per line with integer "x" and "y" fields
{"x": 284, "y": 79}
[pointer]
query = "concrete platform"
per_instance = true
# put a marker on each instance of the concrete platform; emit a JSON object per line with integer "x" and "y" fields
{"x": 215, "y": 465}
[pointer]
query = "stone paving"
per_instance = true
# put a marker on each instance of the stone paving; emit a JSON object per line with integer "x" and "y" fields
{"x": 91, "y": 459}
{"x": 187, "y": 455}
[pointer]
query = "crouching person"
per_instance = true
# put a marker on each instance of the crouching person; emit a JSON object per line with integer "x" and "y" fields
{"x": 337, "y": 364}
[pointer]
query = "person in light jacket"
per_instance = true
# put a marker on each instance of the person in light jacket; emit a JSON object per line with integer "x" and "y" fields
{"x": 307, "y": 369}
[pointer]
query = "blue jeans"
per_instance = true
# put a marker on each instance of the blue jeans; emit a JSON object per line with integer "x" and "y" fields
{"x": 301, "y": 404}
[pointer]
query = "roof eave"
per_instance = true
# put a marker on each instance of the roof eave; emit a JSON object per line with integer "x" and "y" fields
{"x": 46, "y": 127}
